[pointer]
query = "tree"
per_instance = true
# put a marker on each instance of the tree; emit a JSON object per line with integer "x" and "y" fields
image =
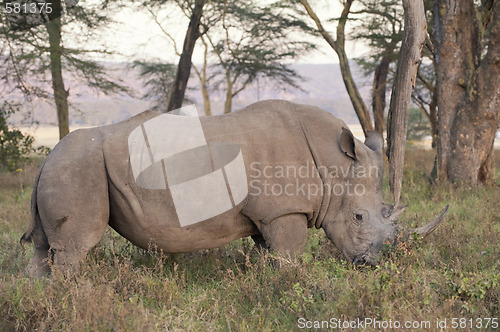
{"x": 200, "y": 72}
{"x": 15, "y": 146}
{"x": 244, "y": 42}
{"x": 60, "y": 93}
{"x": 255, "y": 43}
{"x": 338, "y": 45}
{"x": 381, "y": 27}
{"x": 468, "y": 79}
{"x": 28, "y": 55}
{"x": 176, "y": 96}
{"x": 158, "y": 78}
{"x": 414, "y": 38}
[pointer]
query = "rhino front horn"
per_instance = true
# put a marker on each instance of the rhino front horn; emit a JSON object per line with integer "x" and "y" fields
{"x": 430, "y": 227}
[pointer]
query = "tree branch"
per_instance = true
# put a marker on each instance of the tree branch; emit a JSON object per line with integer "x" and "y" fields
{"x": 339, "y": 47}
{"x": 165, "y": 32}
{"x": 329, "y": 39}
{"x": 376, "y": 12}
{"x": 426, "y": 83}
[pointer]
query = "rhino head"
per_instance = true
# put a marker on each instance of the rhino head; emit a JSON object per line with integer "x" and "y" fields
{"x": 361, "y": 223}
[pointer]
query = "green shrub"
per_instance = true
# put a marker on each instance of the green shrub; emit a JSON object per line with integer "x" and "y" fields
{"x": 15, "y": 146}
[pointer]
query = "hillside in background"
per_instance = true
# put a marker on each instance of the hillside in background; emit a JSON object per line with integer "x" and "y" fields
{"x": 321, "y": 86}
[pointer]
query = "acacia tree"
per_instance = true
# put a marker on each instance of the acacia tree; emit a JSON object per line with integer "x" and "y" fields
{"x": 241, "y": 42}
{"x": 30, "y": 54}
{"x": 153, "y": 75}
{"x": 468, "y": 80}
{"x": 255, "y": 43}
{"x": 414, "y": 37}
{"x": 60, "y": 93}
{"x": 202, "y": 74}
{"x": 176, "y": 94}
{"x": 158, "y": 78}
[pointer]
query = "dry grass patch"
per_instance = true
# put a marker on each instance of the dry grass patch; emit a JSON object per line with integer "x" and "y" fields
{"x": 453, "y": 273}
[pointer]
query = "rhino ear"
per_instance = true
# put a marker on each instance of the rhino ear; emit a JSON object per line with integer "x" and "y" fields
{"x": 347, "y": 144}
{"x": 375, "y": 142}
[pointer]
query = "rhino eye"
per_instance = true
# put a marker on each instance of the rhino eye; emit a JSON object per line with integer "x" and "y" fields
{"x": 359, "y": 217}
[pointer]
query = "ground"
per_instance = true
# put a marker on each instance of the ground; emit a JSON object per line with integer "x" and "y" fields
{"x": 454, "y": 274}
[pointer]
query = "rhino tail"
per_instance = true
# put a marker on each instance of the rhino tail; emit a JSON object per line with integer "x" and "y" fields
{"x": 35, "y": 217}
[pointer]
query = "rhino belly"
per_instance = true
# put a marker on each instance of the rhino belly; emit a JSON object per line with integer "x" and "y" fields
{"x": 156, "y": 225}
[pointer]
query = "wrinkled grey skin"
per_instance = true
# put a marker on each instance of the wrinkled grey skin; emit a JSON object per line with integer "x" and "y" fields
{"x": 85, "y": 184}
{"x": 364, "y": 222}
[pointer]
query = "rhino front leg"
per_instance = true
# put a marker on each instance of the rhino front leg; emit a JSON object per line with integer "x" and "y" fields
{"x": 286, "y": 235}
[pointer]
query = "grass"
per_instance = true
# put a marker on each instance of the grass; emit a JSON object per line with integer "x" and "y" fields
{"x": 454, "y": 273}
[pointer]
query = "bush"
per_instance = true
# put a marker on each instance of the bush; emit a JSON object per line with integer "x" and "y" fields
{"x": 15, "y": 146}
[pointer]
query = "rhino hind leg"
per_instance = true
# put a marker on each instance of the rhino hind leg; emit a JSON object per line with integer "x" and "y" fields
{"x": 286, "y": 235}
{"x": 63, "y": 249}
{"x": 72, "y": 198}
{"x": 39, "y": 264}
{"x": 73, "y": 226}
{"x": 71, "y": 241}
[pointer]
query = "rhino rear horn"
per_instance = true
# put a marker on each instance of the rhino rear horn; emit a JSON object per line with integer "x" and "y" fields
{"x": 396, "y": 213}
{"x": 375, "y": 142}
{"x": 430, "y": 227}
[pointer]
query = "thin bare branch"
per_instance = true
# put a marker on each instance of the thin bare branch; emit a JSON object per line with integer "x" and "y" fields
{"x": 426, "y": 83}
{"x": 165, "y": 32}
{"x": 326, "y": 35}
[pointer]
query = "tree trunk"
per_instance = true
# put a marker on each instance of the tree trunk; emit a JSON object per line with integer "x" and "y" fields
{"x": 176, "y": 95}
{"x": 206, "y": 97}
{"x": 60, "y": 93}
{"x": 415, "y": 32}
{"x": 356, "y": 100}
{"x": 203, "y": 80}
{"x": 378, "y": 92}
{"x": 228, "y": 104}
{"x": 468, "y": 88}
{"x": 433, "y": 119}
{"x": 339, "y": 47}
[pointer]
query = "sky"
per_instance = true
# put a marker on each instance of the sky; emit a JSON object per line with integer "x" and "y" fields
{"x": 137, "y": 35}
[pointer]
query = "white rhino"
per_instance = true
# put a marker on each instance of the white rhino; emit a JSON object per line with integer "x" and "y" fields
{"x": 269, "y": 171}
